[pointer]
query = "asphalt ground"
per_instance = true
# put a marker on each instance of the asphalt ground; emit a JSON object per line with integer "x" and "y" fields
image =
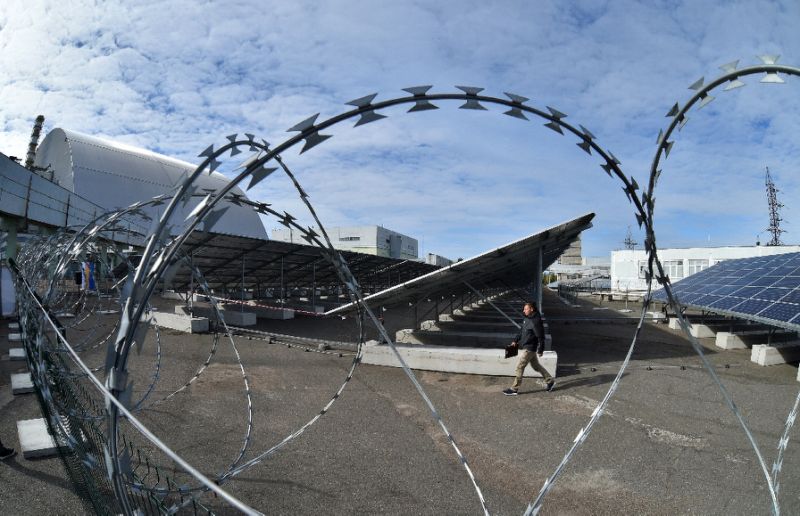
{"x": 666, "y": 445}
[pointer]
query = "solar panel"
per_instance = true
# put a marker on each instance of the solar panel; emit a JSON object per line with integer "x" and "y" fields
{"x": 763, "y": 288}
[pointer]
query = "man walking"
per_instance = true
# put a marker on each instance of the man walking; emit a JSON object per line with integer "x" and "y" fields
{"x": 530, "y": 341}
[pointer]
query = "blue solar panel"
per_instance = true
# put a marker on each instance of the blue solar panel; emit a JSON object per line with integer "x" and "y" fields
{"x": 764, "y": 281}
{"x": 751, "y": 306}
{"x": 746, "y": 292}
{"x": 764, "y": 288}
{"x": 788, "y": 282}
{"x": 781, "y": 311}
{"x": 772, "y": 293}
{"x": 706, "y": 300}
{"x": 792, "y": 297}
{"x": 725, "y": 290}
{"x": 725, "y": 303}
{"x": 689, "y": 298}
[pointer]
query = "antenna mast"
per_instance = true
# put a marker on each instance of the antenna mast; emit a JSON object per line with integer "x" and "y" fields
{"x": 630, "y": 244}
{"x": 774, "y": 207}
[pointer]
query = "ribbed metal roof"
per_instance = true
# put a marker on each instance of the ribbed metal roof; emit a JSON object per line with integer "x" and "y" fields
{"x": 115, "y": 175}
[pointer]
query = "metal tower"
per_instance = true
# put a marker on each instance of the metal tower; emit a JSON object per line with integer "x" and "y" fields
{"x": 774, "y": 207}
{"x": 630, "y": 244}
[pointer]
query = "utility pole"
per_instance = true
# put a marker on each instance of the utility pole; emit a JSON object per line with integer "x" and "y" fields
{"x": 774, "y": 208}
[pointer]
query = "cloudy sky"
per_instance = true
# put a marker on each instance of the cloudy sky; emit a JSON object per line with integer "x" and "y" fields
{"x": 176, "y": 76}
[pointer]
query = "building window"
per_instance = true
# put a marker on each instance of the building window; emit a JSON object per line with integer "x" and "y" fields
{"x": 642, "y": 269}
{"x": 348, "y": 239}
{"x": 673, "y": 268}
{"x": 695, "y": 266}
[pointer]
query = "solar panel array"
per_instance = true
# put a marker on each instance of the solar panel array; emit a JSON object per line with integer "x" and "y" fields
{"x": 764, "y": 289}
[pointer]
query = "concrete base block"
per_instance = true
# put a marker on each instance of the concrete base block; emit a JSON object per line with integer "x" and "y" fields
{"x": 237, "y": 318}
{"x": 702, "y": 331}
{"x": 13, "y": 326}
{"x": 16, "y": 354}
{"x": 309, "y": 308}
{"x": 21, "y": 383}
{"x": 180, "y": 322}
{"x": 728, "y": 340}
{"x": 174, "y": 295}
{"x": 231, "y": 314}
{"x": 657, "y": 316}
{"x": 473, "y": 339}
{"x": 271, "y": 313}
{"x": 14, "y": 337}
{"x": 746, "y": 339}
{"x": 779, "y": 353}
{"x": 466, "y": 339}
{"x": 65, "y": 315}
{"x": 107, "y": 312}
{"x": 450, "y": 325}
{"x": 454, "y": 360}
{"x": 35, "y": 440}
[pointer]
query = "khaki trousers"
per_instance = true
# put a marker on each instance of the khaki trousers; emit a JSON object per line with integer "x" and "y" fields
{"x": 529, "y": 357}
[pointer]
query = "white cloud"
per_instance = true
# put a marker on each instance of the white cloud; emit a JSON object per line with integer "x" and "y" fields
{"x": 176, "y": 76}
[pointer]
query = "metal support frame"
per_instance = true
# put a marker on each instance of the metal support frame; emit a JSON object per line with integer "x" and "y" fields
{"x": 515, "y": 323}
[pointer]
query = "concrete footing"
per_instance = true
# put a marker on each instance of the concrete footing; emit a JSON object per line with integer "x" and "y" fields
{"x": 14, "y": 337}
{"x": 472, "y": 339}
{"x": 779, "y": 353}
{"x": 173, "y": 295}
{"x": 454, "y": 360}
{"x": 702, "y": 331}
{"x": 271, "y": 313}
{"x": 746, "y": 339}
{"x": 180, "y": 322}
{"x": 16, "y": 354}
{"x": 21, "y": 383}
{"x": 468, "y": 339}
{"x": 35, "y": 440}
{"x": 13, "y": 326}
{"x": 728, "y": 340}
{"x": 231, "y": 313}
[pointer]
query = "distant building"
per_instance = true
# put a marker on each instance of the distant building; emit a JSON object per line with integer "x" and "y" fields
{"x": 572, "y": 255}
{"x": 628, "y": 267}
{"x": 435, "y": 259}
{"x": 570, "y": 263}
{"x": 376, "y": 240}
{"x": 592, "y": 274}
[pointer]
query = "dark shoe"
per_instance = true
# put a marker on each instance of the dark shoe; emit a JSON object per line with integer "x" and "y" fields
{"x": 7, "y": 453}
{"x": 510, "y": 392}
{"x": 550, "y": 385}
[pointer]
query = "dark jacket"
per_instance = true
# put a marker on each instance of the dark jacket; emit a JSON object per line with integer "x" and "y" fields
{"x": 531, "y": 335}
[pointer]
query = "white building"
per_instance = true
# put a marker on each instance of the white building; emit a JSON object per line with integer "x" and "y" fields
{"x": 439, "y": 261}
{"x": 628, "y": 267}
{"x": 376, "y": 240}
